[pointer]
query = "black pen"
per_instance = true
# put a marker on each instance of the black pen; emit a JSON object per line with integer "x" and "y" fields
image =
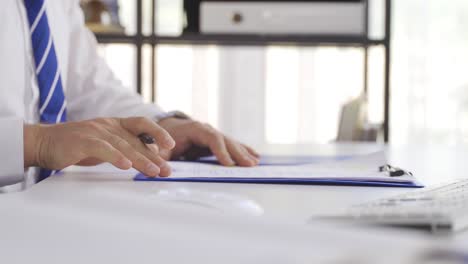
{"x": 146, "y": 139}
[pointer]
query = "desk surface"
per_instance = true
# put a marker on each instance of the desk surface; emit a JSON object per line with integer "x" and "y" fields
{"x": 106, "y": 215}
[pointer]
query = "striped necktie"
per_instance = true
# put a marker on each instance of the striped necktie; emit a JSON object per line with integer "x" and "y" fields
{"x": 52, "y": 104}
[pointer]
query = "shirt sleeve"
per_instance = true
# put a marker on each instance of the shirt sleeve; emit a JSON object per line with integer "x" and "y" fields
{"x": 92, "y": 88}
{"x": 11, "y": 151}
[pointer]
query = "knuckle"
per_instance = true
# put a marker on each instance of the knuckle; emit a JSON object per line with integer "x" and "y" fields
{"x": 119, "y": 121}
{"x": 120, "y": 143}
{"x": 215, "y": 137}
{"x": 93, "y": 125}
{"x": 220, "y": 138}
{"x": 101, "y": 144}
{"x": 209, "y": 129}
{"x": 107, "y": 121}
{"x": 216, "y": 134}
{"x": 217, "y": 143}
{"x": 141, "y": 120}
{"x": 98, "y": 120}
{"x": 212, "y": 131}
{"x": 197, "y": 124}
{"x": 87, "y": 125}
{"x": 208, "y": 126}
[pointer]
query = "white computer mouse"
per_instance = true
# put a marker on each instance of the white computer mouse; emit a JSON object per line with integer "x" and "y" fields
{"x": 215, "y": 201}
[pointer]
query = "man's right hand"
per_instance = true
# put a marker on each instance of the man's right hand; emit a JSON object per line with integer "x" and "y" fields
{"x": 113, "y": 140}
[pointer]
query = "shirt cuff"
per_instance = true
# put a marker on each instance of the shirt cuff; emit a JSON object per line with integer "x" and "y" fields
{"x": 11, "y": 152}
{"x": 176, "y": 114}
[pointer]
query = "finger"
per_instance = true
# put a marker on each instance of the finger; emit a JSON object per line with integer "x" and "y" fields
{"x": 151, "y": 151}
{"x": 241, "y": 157}
{"x": 165, "y": 154}
{"x": 140, "y": 162}
{"x": 204, "y": 135}
{"x": 251, "y": 151}
{"x": 159, "y": 161}
{"x": 102, "y": 150}
{"x": 138, "y": 125}
{"x": 219, "y": 149}
{"x": 252, "y": 157}
{"x": 164, "y": 166}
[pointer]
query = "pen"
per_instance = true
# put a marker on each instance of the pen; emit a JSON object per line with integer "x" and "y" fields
{"x": 146, "y": 139}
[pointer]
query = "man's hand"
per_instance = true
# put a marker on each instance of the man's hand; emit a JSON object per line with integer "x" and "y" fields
{"x": 194, "y": 140}
{"x": 113, "y": 140}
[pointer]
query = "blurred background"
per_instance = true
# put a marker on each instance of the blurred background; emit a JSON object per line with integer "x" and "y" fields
{"x": 277, "y": 93}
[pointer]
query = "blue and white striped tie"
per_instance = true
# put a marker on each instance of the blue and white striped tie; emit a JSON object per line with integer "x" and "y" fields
{"x": 52, "y": 104}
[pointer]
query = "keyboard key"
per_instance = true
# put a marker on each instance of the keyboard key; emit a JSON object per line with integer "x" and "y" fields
{"x": 445, "y": 206}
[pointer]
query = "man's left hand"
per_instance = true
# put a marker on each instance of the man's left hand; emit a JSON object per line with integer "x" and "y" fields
{"x": 195, "y": 140}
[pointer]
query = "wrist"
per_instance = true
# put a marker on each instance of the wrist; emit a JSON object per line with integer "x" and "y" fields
{"x": 172, "y": 114}
{"x": 166, "y": 121}
{"x": 32, "y": 141}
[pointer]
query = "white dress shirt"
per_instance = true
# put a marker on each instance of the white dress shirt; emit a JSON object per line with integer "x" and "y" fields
{"x": 91, "y": 89}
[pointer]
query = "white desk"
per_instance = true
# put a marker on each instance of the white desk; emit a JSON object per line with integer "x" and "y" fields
{"x": 108, "y": 217}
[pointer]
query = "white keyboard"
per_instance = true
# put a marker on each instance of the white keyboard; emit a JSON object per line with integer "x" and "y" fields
{"x": 442, "y": 208}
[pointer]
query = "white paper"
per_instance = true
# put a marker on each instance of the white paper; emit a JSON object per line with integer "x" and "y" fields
{"x": 364, "y": 168}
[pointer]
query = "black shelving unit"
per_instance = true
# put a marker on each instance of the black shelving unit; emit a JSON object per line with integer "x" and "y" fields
{"x": 139, "y": 39}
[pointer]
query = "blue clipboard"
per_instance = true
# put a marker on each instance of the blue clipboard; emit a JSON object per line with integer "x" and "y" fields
{"x": 288, "y": 181}
{"x": 286, "y": 160}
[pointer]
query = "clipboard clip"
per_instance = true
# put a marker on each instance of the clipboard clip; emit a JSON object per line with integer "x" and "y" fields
{"x": 394, "y": 171}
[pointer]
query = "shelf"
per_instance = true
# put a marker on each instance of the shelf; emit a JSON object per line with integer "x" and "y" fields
{"x": 108, "y": 38}
{"x": 259, "y": 40}
{"x": 247, "y": 40}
